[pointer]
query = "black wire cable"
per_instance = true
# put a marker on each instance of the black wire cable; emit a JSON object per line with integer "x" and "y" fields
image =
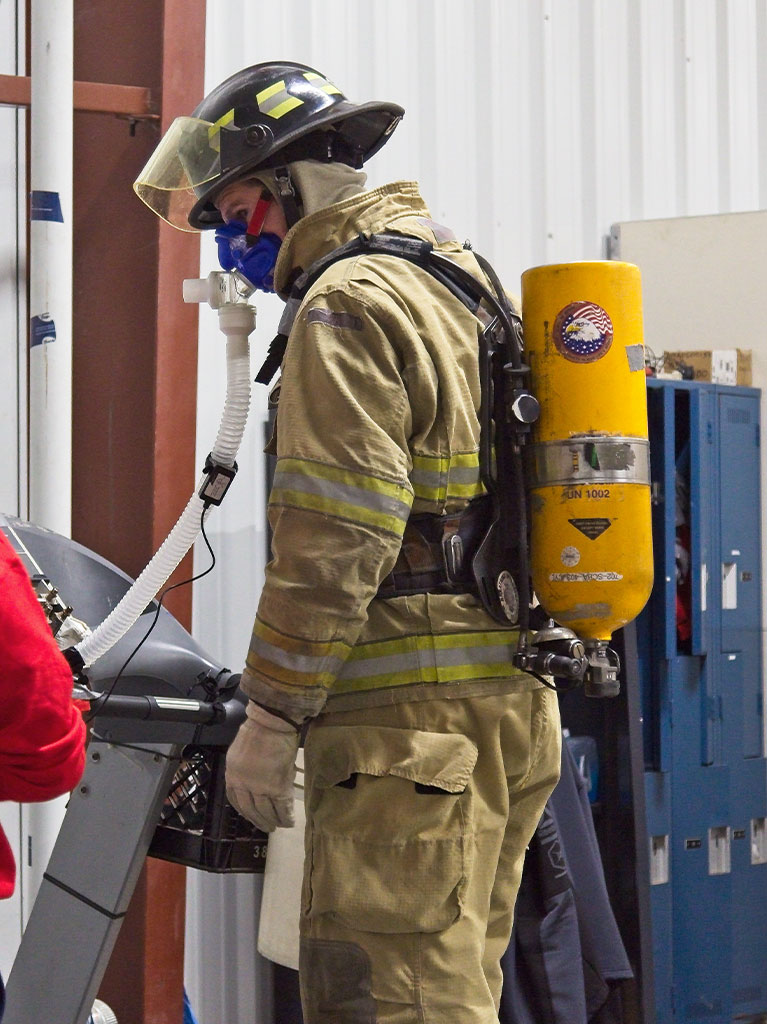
{"x": 564, "y": 687}
{"x": 97, "y": 706}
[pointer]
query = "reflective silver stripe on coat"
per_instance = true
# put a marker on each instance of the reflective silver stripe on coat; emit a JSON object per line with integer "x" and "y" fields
{"x": 452, "y": 477}
{"x": 596, "y": 459}
{"x": 339, "y": 493}
{"x": 303, "y": 664}
{"x": 455, "y": 475}
{"x": 427, "y": 659}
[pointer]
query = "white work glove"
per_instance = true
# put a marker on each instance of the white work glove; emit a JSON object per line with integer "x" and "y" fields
{"x": 260, "y": 769}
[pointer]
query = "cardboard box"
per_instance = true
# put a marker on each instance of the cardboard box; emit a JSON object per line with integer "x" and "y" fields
{"x": 719, "y": 365}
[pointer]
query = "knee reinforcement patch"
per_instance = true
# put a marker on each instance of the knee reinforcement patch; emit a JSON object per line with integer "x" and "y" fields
{"x": 335, "y": 983}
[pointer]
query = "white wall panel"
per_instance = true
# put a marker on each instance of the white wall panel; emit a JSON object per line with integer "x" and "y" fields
{"x": 742, "y": 106}
{"x": 13, "y": 333}
{"x": 532, "y": 126}
{"x": 12, "y": 394}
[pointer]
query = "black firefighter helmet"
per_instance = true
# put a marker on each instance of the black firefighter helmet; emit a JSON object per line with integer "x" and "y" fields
{"x": 263, "y": 116}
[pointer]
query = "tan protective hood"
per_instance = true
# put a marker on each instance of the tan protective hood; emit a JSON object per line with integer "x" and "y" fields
{"x": 319, "y": 184}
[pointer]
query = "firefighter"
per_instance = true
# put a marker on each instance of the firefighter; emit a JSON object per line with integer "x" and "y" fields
{"x": 428, "y": 756}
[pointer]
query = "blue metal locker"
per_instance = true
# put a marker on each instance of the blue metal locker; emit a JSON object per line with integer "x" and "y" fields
{"x": 740, "y": 685}
{"x": 700, "y": 665}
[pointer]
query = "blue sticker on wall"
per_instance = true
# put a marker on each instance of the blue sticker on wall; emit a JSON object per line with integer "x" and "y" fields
{"x": 45, "y": 206}
{"x": 42, "y": 330}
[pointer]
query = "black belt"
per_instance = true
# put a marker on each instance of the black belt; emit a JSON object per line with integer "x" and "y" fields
{"x": 437, "y": 552}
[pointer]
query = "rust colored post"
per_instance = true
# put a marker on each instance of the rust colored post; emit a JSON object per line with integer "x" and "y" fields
{"x": 127, "y": 100}
{"x": 135, "y": 380}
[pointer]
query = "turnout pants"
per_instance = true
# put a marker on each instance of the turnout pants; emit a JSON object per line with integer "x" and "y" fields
{"x": 418, "y": 816}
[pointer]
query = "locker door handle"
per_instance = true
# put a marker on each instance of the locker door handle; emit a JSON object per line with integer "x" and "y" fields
{"x": 729, "y": 585}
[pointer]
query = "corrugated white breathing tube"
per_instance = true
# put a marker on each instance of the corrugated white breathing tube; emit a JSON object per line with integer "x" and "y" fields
{"x": 237, "y": 320}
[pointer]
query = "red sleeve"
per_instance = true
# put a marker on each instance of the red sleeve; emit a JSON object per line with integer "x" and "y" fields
{"x": 42, "y": 735}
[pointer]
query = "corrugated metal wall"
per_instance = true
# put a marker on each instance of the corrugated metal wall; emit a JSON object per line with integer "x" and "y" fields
{"x": 532, "y": 126}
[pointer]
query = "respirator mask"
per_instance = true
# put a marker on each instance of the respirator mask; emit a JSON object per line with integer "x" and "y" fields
{"x": 243, "y": 247}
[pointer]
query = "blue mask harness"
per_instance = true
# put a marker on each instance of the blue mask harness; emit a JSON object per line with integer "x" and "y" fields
{"x": 254, "y": 262}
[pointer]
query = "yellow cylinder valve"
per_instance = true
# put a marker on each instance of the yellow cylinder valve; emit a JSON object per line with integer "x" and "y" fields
{"x": 591, "y": 539}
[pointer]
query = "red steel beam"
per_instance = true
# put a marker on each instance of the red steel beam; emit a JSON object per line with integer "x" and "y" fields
{"x": 134, "y": 379}
{"x": 97, "y": 97}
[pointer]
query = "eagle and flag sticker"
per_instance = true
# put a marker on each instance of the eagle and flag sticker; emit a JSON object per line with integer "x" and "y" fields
{"x": 583, "y": 332}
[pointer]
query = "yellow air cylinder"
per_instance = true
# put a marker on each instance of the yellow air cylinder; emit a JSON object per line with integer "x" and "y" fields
{"x": 591, "y": 540}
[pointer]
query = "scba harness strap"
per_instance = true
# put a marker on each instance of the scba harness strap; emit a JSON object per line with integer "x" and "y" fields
{"x": 499, "y": 562}
{"x": 463, "y": 285}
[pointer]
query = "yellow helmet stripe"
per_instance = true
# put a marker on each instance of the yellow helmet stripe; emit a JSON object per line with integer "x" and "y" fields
{"x": 215, "y": 128}
{"x": 322, "y": 83}
{"x": 275, "y": 100}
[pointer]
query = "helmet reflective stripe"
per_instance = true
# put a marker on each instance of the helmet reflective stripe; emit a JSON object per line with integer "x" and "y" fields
{"x": 215, "y": 129}
{"x": 444, "y": 658}
{"x": 242, "y": 124}
{"x": 285, "y": 112}
{"x": 322, "y": 83}
{"x": 276, "y": 100}
{"x": 444, "y": 478}
{"x": 342, "y": 493}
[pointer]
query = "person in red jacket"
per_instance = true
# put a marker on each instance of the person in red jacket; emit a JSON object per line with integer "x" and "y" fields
{"x": 42, "y": 734}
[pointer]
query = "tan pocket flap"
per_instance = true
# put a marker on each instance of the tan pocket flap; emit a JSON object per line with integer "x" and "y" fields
{"x": 444, "y": 760}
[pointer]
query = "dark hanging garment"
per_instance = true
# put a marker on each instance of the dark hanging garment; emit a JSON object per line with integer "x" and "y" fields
{"x": 565, "y": 948}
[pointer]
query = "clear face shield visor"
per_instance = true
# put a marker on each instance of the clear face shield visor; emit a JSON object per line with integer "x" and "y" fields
{"x": 188, "y": 155}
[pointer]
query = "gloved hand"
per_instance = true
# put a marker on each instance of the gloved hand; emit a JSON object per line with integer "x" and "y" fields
{"x": 260, "y": 769}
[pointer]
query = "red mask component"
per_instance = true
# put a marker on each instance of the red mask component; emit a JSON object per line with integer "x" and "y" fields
{"x": 256, "y": 222}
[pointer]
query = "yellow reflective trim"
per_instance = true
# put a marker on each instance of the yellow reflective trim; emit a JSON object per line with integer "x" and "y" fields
{"x": 409, "y": 677}
{"x": 465, "y": 459}
{"x": 425, "y": 658}
{"x": 425, "y": 641}
{"x": 269, "y": 91}
{"x": 426, "y": 674}
{"x": 294, "y": 661}
{"x": 430, "y": 493}
{"x": 215, "y": 128}
{"x": 286, "y": 675}
{"x": 328, "y": 87}
{"x": 465, "y": 490}
{"x": 497, "y": 636}
{"x": 432, "y": 463}
{"x": 345, "y": 476}
{"x": 273, "y": 93}
{"x": 444, "y": 477}
{"x": 381, "y": 648}
{"x": 282, "y": 108}
{"x": 297, "y": 644}
{"x": 339, "y": 509}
